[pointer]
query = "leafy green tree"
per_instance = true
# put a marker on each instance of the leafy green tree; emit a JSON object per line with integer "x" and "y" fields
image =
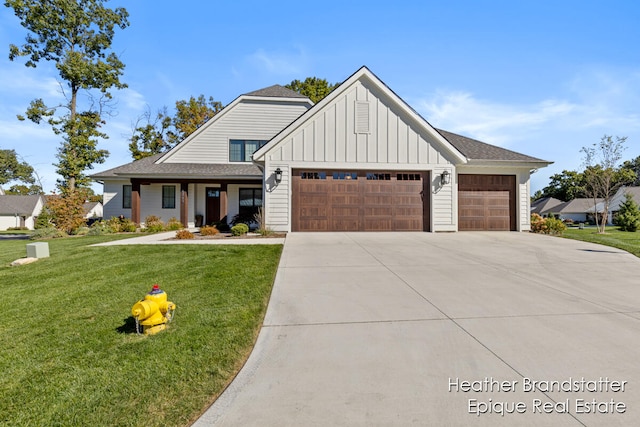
{"x": 628, "y": 218}
{"x": 633, "y": 165}
{"x": 76, "y": 35}
{"x": 565, "y": 186}
{"x": 313, "y": 88}
{"x": 164, "y": 132}
{"x": 24, "y": 190}
{"x": 602, "y": 175}
{"x": 13, "y": 169}
{"x": 191, "y": 114}
{"x": 151, "y": 137}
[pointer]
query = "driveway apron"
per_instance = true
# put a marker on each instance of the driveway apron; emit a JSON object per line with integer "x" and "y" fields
{"x": 386, "y": 329}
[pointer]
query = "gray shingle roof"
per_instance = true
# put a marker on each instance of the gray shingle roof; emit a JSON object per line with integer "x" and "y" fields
{"x": 477, "y": 150}
{"x": 544, "y": 205}
{"x": 580, "y": 205}
{"x": 21, "y": 205}
{"x": 147, "y": 168}
{"x": 276, "y": 91}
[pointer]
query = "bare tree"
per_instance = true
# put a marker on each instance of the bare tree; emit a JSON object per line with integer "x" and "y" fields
{"x": 603, "y": 176}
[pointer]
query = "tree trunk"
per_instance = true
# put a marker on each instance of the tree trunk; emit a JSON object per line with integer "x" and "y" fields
{"x": 71, "y": 180}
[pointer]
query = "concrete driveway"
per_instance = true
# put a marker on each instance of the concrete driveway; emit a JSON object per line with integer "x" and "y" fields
{"x": 383, "y": 329}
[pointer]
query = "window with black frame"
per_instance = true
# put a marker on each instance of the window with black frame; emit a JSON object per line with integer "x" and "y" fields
{"x": 126, "y": 197}
{"x": 250, "y": 201}
{"x": 241, "y": 150}
{"x": 168, "y": 197}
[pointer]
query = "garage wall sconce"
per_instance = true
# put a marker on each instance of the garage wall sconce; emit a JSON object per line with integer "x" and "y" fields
{"x": 445, "y": 178}
{"x": 278, "y": 175}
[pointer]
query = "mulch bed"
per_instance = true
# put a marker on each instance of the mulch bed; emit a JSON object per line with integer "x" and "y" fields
{"x": 197, "y": 236}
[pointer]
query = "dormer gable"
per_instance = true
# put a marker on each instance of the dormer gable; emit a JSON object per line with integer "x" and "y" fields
{"x": 255, "y": 116}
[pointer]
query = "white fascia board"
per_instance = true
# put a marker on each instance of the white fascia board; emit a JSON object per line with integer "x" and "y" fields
{"x": 507, "y": 164}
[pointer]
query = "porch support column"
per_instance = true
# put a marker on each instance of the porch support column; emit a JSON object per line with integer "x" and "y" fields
{"x": 223, "y": 202}
{"x": 135, "y": 201}
{"x": 184, "y": 204}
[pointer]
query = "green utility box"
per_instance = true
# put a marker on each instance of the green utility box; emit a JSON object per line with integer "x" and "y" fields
{"x": 38, "y": 250}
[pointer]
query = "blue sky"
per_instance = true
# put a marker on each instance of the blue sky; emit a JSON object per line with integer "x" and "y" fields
{"x": 544, "y": 78}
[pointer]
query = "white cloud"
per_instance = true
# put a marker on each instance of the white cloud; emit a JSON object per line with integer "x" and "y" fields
{"x": 131, "y": 99}
{"x": 29, "y": 82}
{"x": 486, "y": 120}
{"x": 595, "y": 102}
{"x": 281, "y": 63}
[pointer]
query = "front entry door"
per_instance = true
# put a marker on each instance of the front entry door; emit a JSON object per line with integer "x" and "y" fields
{"x": 213, "y": 205}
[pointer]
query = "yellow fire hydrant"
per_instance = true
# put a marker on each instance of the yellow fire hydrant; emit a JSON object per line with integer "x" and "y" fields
{"x": 153, "y": 312}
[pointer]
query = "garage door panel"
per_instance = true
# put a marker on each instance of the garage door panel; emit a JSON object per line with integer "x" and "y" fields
{"x": 406, "y": 211}
{"x": 366, "y": 202}
{"x": 379, "y": 224}
{"x": 351, "y": 211}
{"x": 314, "y": 199}
{"x": 315, "y": 212}
{"x": 371, "y": 199}
{"x": 378, "y": 211}
{"x": 344, "y": 199}
{"x": 408, "y": 199}
{"x": 406, "y": 224}
{"x": 344, "y": 225}
{"x": 314, "y": 224}
{"x": 377, "y": 187}
{"x": 343, "y": 186}
{"x": 486, "y": 202}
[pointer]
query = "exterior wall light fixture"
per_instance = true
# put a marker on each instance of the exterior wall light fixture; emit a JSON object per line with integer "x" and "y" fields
{"x": 445, "y": 178}
{"x": 278, "y": 175}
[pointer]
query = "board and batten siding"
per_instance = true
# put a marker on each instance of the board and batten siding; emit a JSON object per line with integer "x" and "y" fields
{"x": 336, "y": 137}
{"x": 249, "y": 120}
{"x": 329, "y": 136}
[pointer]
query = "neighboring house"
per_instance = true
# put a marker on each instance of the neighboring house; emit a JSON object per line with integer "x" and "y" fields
{"x": 545, "y": 206}
{"x": 19, "y": 211}
{"x": 577, "y": 210}
{"x": 617, "y": 200}
{"x": 360, "y": 160}
{"x": 92, "y": 210}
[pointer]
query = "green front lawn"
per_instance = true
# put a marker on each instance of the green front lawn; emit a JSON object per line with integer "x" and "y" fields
{"x": 70, "y": 355}
{"x": 624, "y": 240}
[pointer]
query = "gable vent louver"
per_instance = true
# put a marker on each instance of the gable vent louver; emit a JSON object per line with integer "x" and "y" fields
{"x": 362, "y": 117}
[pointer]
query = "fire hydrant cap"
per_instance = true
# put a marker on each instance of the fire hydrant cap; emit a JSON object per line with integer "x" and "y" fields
{"x": 155, "y": 290}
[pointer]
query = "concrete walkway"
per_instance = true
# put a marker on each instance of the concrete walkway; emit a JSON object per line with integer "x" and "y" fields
{"x": 383, "y": 329}
{"x": 163, "y": 239}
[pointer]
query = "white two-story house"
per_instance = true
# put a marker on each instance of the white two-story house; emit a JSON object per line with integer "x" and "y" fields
{"x": 360, "y": 160}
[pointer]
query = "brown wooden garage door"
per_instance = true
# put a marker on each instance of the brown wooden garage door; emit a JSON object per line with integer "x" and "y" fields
{"x": 486, "y": 202}
{"x": 359, "y": 201}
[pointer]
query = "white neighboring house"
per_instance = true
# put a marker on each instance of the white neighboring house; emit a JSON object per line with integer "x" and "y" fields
{"x": 19, "y": 211}
{"x": 92, "y": 210}
{"x": 618, "y": 199}
{"x": 360, "y": 160}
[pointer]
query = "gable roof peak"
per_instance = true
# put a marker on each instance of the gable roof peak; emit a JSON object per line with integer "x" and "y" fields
{"x": 276, "y": 91}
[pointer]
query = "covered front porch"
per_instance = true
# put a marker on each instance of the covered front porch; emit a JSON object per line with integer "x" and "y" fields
{"x": 195, "y": 202}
